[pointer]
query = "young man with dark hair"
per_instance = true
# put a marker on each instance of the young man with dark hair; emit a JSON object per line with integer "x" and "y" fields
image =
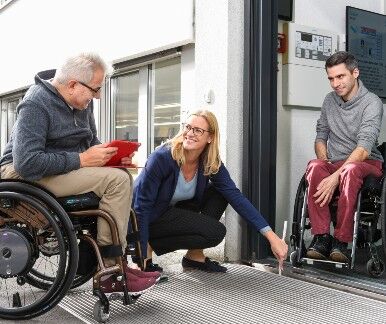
{"x": 346, "y": 153}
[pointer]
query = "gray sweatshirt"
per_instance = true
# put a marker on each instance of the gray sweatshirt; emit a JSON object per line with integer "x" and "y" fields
{"x": 347, "y": 125}
{"x": 48, "y": 135}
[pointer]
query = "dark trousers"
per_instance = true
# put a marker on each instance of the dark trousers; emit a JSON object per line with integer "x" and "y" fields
{"x": 189, "y": 226}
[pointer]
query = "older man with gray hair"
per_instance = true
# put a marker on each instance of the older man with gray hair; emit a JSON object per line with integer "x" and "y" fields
{"x": 54, "y": 143}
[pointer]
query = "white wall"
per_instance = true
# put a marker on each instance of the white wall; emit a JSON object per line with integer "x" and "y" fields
{"x": 120, "y": 29}
{"x": 296, "y": 125}
{"x": 37, "y": 35}
{"x": 219, "y": 70}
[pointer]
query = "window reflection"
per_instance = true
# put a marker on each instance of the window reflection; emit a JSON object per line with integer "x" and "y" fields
{"x": 11, "y": 116}
{"x": 126, "y": 107}
{"x": 167, "y": 100}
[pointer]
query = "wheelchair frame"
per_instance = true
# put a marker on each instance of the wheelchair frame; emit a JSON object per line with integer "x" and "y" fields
{"x": 34, "y": 226}
{"x": 373, "y": 193}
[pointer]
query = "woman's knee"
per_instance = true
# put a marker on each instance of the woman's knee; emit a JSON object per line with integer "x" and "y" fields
{"x": 217, "y": 234}
{"x": 214, "y": 203}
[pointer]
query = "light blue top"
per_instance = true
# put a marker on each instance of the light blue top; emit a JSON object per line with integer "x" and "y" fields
{"x": 185, "y": 189}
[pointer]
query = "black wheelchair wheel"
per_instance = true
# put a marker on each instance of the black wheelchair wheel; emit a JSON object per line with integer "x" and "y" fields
{"x": 383, "y": 215}
{"x": 28, "y": 213}
{"x": 375, "y": 270}
{"x": 43, "y": 274}
{"x": 296, "y": 241}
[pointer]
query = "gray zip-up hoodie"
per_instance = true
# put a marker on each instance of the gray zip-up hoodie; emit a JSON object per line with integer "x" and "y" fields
{"x": 48, "y": 135}
{"x": 347, "y": 125}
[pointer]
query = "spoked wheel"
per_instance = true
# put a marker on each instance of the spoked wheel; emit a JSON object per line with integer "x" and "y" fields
{"x": 297, "y": 242}
{"x": 23, "y": 217}
{"x": 383, "y": 216}
{"x": 375, "y": 270}
{"x": 294, "y": 259}
{"x": 43, "y": 273}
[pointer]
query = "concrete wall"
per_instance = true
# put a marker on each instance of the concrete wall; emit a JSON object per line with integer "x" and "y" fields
{"x": 296, "y": 125}
{"x": 219, "y": 71}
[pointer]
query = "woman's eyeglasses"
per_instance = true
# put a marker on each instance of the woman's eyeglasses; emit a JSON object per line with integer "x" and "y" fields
{"x": 196, "y": 130}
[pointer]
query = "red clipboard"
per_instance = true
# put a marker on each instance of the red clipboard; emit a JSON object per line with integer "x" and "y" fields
{"x": 125, "y": 148}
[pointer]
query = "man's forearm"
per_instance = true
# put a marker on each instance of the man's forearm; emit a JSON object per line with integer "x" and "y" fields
{"x": 358, "y": 155}
{"x": 321, "y": 150}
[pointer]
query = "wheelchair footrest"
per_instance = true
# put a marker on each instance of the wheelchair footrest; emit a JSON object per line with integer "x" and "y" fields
{"x": 338, "y": 265}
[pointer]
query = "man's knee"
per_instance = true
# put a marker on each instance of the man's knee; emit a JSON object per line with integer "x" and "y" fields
{"x": 315, "y": 164}
{"x": 352, "y": 170}
{"x": 315, "y": 169}
{"x": 120, "y": 177}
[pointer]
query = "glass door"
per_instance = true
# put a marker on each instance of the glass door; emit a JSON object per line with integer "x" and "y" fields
{"x": 125, "y": 107}
{"x": 166, "y": 100}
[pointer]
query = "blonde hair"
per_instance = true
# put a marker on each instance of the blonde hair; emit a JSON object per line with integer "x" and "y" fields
{"x": 211, "y": 154}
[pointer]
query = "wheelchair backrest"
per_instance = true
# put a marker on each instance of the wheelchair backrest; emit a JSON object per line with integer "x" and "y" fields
{"x": 382, "y": 148}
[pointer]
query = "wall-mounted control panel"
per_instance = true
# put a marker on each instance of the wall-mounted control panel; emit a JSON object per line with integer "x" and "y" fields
{"x": 304, "y": 77}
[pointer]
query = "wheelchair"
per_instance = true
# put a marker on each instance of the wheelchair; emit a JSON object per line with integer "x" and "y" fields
{"x": 369, "y": 225}
{"x": 41, "y": 238}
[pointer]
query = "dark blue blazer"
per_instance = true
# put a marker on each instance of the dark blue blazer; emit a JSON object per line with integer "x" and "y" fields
{"x": 155, "y": 186}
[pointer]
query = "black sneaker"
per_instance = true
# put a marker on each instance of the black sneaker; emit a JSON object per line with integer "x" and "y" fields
{"x": 339, "y": 251}
{"x": 208, "y": 266}
{"x": 320, "y": 247}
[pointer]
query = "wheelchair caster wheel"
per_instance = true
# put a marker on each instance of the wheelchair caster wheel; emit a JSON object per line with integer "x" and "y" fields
{"x": 372, "y": 269}
{"x": 294, "y": 259}
{"x": 99, "y": 315}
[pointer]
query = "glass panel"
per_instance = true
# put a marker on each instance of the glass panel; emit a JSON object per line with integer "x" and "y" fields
{"x": 11, "y": 116}
{"x": 126, "y": 107}
{"x": 167, "y": 100}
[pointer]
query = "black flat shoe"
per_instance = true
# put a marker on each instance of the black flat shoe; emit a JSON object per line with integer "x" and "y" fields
{"x": 208, "y": 265}
{"x": 150, "y": 267}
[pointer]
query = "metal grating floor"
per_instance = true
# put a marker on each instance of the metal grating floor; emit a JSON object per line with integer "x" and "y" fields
{"x": 242, "y": 295}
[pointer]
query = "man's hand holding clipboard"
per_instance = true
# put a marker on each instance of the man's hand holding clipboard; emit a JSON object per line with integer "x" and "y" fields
{"x": 124, "y": 153}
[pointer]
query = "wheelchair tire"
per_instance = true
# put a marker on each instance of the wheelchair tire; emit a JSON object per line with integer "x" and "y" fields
{"x": 294, "y": 259}
{"x": 99, "y": 314}
{"x": 373, "y": 271}
{"x": 36, "y": 206}
{"x": 383, "y": 216}
{"x": 43, "y": 280}
{"x": 295, "y": 239}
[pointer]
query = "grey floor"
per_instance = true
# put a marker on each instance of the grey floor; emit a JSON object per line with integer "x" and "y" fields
{"x": 242, "y": 295}
{"x": 247, "y": 291}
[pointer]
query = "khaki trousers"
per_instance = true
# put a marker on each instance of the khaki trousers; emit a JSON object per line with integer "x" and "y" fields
{"x": 112, "y": 185}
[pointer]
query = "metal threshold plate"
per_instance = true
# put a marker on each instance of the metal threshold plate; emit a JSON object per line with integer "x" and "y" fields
{"x": 242, "y": 295}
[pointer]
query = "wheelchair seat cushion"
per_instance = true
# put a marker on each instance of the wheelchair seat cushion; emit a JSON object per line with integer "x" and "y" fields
{"x": 84, "y": 201}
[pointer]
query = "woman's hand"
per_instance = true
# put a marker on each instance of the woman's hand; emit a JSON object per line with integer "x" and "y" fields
{"x": 278, "y": 246}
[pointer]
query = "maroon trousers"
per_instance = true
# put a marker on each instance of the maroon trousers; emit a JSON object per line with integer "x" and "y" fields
{"x": 350, "y": 182}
